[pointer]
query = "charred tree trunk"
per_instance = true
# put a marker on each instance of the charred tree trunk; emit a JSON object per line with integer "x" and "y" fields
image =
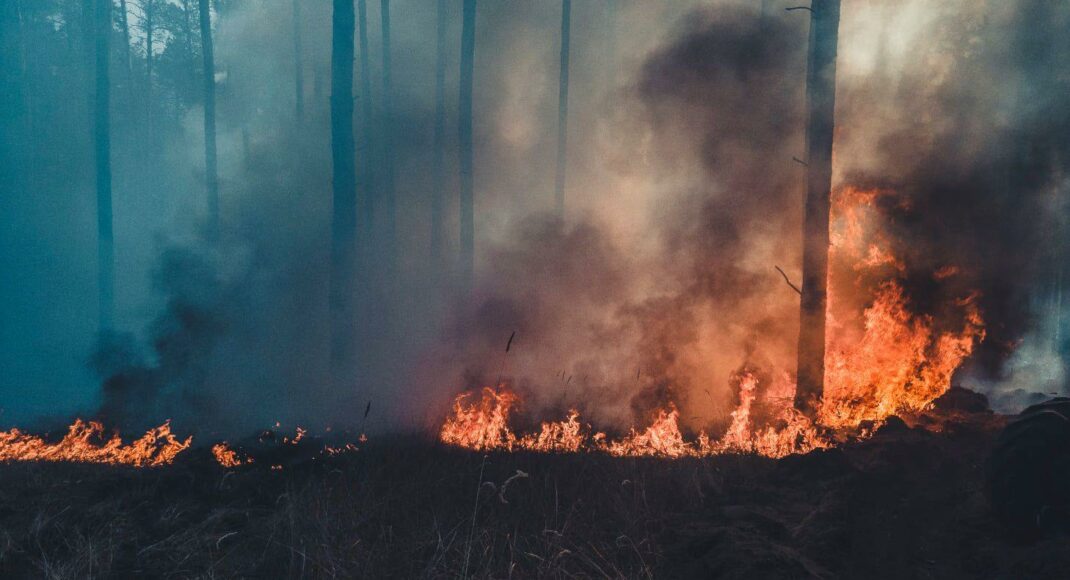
{"x": 344, "y": 212}
{"x": 387, "y": 135}
{"x": 821, "y": 97}
{"x": 464, "y": 119}
{"x": 299, "y": 77}
{"x": 102, "y": 150}
{"x": 211, "y": 171}
{"x": 562, "y": 109}
{"x": 439, "y": 165}
{"x": 366, "y": 118}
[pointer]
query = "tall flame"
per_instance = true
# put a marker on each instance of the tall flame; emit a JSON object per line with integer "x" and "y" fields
{"x": 897, "y": 362}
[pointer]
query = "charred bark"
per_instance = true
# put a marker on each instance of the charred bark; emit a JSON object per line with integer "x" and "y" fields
{"x": 821, "y": 97}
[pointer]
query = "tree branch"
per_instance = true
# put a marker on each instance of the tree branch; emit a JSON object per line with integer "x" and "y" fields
{"x": 793, "y": 286}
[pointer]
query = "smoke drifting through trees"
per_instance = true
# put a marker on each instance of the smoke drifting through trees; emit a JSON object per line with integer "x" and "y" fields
{"x": 682, "y": 195}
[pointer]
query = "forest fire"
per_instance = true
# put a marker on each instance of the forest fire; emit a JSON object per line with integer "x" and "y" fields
{"x": 86, "y": 442}
{"x": 881, "y": 359}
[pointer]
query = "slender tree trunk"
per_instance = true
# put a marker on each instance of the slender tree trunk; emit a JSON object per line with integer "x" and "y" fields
{"x": 366, "y": 118}
{"x": 439, "y": 164}
{"x": 562, "y": 109}
{"x": 821, "y": 97}
{"x": 124, "y": 23}
{"x": 211, "y": 171}
{"x": 149, "y": 7}
{"x": 464, "y": 119}
{"x": 299, "y": 76}
{"x": 387, "y": 135}
{"x": 102, "y": 150}
{"x": 344, "y": 212}
{"x": 187, "y": 29}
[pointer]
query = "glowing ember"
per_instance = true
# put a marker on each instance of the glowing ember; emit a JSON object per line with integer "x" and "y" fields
{"x": 227, "y": 457}
{"x": 85, "y": 442}
{"x": 881, "y": 359}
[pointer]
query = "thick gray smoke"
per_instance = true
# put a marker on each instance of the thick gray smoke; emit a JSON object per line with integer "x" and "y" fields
{"x": 683, "y": 197}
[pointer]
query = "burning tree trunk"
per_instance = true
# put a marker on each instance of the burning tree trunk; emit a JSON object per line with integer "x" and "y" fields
{"x": 562, "y": 109}
{"x": 344, "y": 216}
{"x": 299, "y": 79}
{"x": 468, "y": 49}
{"x": 102, "y": 149}
{"x": 821, "y": 97}
{"x": 439, "y": 165}
{"x": 210, "y": 163}
{"x": 365, "y": 115}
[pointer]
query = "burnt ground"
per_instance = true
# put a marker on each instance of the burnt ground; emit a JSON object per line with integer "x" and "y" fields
{"x": 907, "y": 503}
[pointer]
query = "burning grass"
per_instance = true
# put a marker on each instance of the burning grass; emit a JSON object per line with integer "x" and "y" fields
{"x": 86, "y": 442}
{"x": 882, "y": 359}
{"x": 905, "y": 503}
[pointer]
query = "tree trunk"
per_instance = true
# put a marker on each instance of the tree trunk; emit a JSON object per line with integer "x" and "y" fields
{"x": 149, "y": 7}
{"x": 344, "y": 212}
{"x": 187, "y": 29}
{"x": 562, "y": 109}
{"x": 102, "y": 150}
{"x": 211, "y": 172}
{"x": 366, "y": 118}
{"x": 464, "y": 119}
{"x": 387, "y": 135}
{"x": 438, "y": 172}
{"x": 299, "y": 78}
{"x": 821, "y": 97}
{"x": 124, "y": 23}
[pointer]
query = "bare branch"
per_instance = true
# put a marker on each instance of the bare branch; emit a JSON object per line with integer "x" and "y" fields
{"x": 793, "y": 286}
{"x": 800, "y": 162}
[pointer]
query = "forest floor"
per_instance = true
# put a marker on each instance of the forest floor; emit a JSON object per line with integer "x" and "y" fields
{"x": 907, "y": 503}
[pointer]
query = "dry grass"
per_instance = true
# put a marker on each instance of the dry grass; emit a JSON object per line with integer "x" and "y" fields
{"x": 907, "y": 505}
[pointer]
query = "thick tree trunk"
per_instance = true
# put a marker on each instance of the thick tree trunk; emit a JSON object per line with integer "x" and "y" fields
{"x": 464, "y": 119}
{"x": 562, "y": 109}
{"x": 821, "y": 97}
{"x": 211, "y": 171}
{"x": 366, "y": 118}
{"x": 102, "y": 150}
{"x": 299, "y": 77}
{"x": 344, "y": 212}
{"x": 438, "y": 172}
{"x": 387, "y": 135}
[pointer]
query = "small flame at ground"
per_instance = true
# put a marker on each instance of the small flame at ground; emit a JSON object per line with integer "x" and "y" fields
{"x": 86, "y": 442}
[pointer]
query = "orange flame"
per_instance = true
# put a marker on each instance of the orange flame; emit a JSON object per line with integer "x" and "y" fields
{"x": 227, "y": 457}
{"x": 897, "y": 362}
{"x": 85, "y": 442}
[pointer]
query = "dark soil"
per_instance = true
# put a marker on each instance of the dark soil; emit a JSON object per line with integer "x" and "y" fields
{"x": 908, "y": 503}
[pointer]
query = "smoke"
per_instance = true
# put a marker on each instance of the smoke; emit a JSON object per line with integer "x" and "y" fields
{"x": 683, "y": 198}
